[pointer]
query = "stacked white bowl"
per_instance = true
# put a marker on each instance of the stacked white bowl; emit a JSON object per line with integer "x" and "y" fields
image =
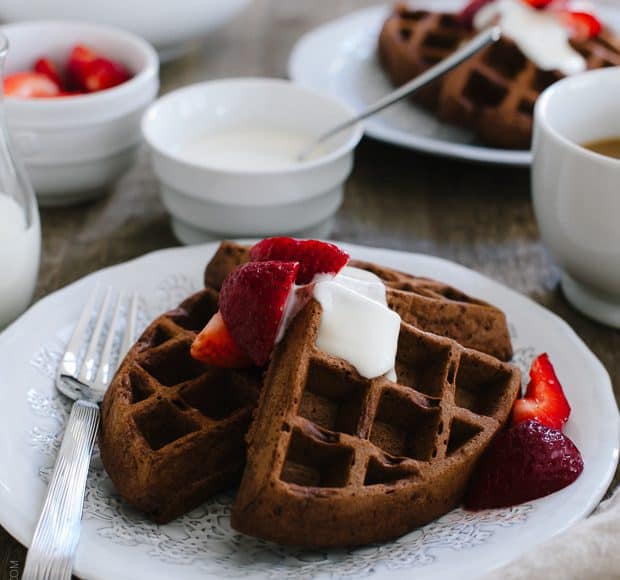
{"x": 74, "y": 146}
{"x": 208, "y": 199}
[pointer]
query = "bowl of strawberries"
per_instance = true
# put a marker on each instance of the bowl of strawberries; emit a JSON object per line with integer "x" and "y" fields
{"x": 74, "y": 95}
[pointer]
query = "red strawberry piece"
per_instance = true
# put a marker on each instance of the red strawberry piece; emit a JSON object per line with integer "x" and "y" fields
{"x": 544, "y": 398}
{"x": 525, "y": 462}
{"x": 104, "y": 74}
{"x": 539, "y": 4}
{"x": 29, "y": 84}
{"x": 46, "y": 67}
{"x": 467, "y": 15}
{"x": 583, "y": 25}
{"x": 314, "y": 257}
{"x": 79, "y": 57}
{"x": 252, "y": 301}
{"x": 215, "y": 346}
{"x": 88, "y": 71}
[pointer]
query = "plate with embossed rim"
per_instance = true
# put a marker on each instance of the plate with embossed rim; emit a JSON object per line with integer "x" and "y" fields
{"x": 117, "y": 542}
{"x": 340, "y": 59}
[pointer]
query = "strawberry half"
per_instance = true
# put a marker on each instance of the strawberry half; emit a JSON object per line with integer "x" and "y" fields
{"x": 29, "y": 84}
{"x": 46, "y": 67}
{"x": 544, "y": 398}
{"x": 525, "y": 462}
{"x": 215, "y": 346}
{"x": 583, "y": 25}
{"x": 252, "y": 302}
{"x": 314, "y": 257}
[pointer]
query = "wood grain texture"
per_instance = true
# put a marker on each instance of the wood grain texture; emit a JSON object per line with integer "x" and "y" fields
{"x": 477, "y": 215}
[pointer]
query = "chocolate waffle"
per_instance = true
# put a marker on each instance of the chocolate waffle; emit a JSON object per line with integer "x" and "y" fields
{"x": 494, "y": 92}
{"x": 336, "y": 460}
{"x": 172, "y": 430}
{"x": 427, "y": 304}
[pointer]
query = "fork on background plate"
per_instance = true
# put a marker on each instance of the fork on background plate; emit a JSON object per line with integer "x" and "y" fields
{"x": 85, "y": 380}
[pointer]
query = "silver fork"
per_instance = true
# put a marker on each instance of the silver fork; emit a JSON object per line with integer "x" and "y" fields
{"x": 56, "y": 536}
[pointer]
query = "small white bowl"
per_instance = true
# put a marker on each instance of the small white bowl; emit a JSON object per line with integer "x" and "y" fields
{"x": 74, "y": 146}
{"x": 206, "y": 200}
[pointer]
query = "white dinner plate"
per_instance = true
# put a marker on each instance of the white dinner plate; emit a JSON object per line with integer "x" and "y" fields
{"x": 340, "y": 59}
{"x": 118, "y": 543}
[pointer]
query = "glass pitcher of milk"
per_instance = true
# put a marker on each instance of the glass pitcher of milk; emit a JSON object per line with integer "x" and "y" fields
{"x": 20, "y": 232}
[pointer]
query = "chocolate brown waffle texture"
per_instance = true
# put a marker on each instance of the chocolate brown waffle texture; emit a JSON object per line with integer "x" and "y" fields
{"x": 494, "y": 92}
{"x": 427, "y": 304}
{"x": 337, "y": 460}
{"x": 172, "y": 430}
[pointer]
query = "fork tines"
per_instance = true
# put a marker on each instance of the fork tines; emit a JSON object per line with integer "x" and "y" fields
{"x": 106, "y": 318}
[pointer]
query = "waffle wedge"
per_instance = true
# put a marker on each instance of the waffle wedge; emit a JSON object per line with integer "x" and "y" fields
{"x": 336, "y": 460}
{"x": 172, "y": 430}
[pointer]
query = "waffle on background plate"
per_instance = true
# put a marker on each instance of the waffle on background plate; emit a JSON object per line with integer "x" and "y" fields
{"x": 494, "y": 92}
{"x": 327, "y": 448}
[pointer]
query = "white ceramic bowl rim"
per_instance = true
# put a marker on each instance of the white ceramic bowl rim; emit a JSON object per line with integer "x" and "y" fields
{"x": 139, "y": 44}
{"x": 544, "y": 103}
{"x": 160, "y": 147}
{"x": 169, "y": 25}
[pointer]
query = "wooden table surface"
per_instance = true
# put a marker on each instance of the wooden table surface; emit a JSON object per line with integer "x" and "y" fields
{"x": 477, "y": 215}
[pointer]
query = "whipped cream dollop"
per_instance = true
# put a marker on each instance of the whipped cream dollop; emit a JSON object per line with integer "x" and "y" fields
{"x": 540, "y": 34}
{"x": 356, "y": 323}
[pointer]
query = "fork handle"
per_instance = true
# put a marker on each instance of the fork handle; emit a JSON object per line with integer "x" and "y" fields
{"x": 56, "y": 536}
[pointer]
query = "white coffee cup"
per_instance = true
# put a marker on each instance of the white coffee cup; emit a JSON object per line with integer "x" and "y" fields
{"x": 577, "y": 192}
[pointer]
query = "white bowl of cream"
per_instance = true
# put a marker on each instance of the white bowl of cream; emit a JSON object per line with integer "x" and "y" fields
{"x": 225, "y": 153}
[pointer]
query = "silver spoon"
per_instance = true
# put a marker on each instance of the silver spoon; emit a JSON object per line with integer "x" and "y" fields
{"x": 480, "y": 41}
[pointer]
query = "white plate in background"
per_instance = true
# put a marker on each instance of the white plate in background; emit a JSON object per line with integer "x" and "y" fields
{"x": 340, "y": 59}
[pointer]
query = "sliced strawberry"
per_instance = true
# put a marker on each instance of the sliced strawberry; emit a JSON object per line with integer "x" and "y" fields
{"x": 544, "y": 399}
{"x": 215, "y": 346}
{"x": 252, "y": 301}
{"x": 79, "y": 57}
{"x": 104, "y": 74}
{"x": 314, "y": 257}
{"x": 29, "y": 84}
{"x": 467, "y": 15}
{"x": 583, "y": 25}
{"x": 90, "y": 72}
{"x": 46, "y": 67}
{"x": 525, "y": 462}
